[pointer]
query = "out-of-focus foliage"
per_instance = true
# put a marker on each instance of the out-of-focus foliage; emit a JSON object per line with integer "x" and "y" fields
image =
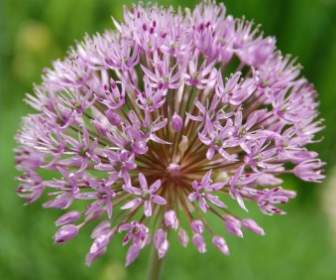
{"x": 297, "y": 246}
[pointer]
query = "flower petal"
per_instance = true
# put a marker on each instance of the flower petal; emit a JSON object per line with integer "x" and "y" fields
{"x": 132, "y": 204}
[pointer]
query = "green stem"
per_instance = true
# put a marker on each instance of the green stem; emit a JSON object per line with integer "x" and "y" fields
{"x": 155, "y": 265}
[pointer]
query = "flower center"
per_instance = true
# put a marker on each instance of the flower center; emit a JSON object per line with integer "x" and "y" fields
{"x": 177, "y": 165}
{"x": 174, "y": 169}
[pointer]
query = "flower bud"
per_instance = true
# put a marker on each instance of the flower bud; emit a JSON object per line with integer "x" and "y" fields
{"x": 252, "y": 226}
{"x": 233, "y": 225}
{"x": 170, "y": 219}
{"x": 197, "y": 226}
{"x": 99, "y": 246}
{"x": 199, "y": 243}
{"x": 65, "y": 233}
{"x": 101, "y": 229}
{"x": 183, "y": 237}
{"x": 68, "y": 218}
{"x": 177, "y": 122}
{"x": 220, "y": 243}
{"x": 113, "y": 117}
{"x": 161, "y": 243}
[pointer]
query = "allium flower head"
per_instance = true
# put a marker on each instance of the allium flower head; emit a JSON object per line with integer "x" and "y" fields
{"x": 146, "y": 128}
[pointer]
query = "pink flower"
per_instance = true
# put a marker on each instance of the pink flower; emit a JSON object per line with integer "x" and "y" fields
{"x": 144, "y": 128}
{"x": 146, "y": 195}
{"x": 161, "y": 242}
{"x": 203, "y": 193}
{"x": 65, "y": 233}
{"x": 220, "y": 243}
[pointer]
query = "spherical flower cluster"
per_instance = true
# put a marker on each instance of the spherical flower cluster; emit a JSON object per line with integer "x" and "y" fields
{"x": 146, "y": 129}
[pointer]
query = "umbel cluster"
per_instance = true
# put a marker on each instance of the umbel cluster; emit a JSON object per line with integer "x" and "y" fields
{"x": 146, "y": 129}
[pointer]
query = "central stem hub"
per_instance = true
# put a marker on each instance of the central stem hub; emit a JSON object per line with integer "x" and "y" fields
{"x": 174, "y": 169}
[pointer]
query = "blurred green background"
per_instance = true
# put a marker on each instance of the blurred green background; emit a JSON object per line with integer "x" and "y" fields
{"x": 300, "y": 245}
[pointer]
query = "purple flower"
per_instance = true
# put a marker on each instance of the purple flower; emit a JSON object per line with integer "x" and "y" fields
{"x": 199, "y": 243}
{"x": 102, "y": 236}
{"x": 233, "y": 225}
{"x": 171, "y": 220}
{"x": 138, "y": 235}
{"x": 252, "y": 226}
{"x": 203, "y": 193}
{"x": 197, "y": 226}
{"x": 146, "y": 195}
{"x": 183, "y": 237}
{"x": 161, "y": 242}
{"x": 177, "y": 122}
{"x": 220, "y": 243}
{"x": 68, "y": 218}
{"x": 309, "y": 170}
{"x": 65, "y": 233}
{"x": 144, "y": 127}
